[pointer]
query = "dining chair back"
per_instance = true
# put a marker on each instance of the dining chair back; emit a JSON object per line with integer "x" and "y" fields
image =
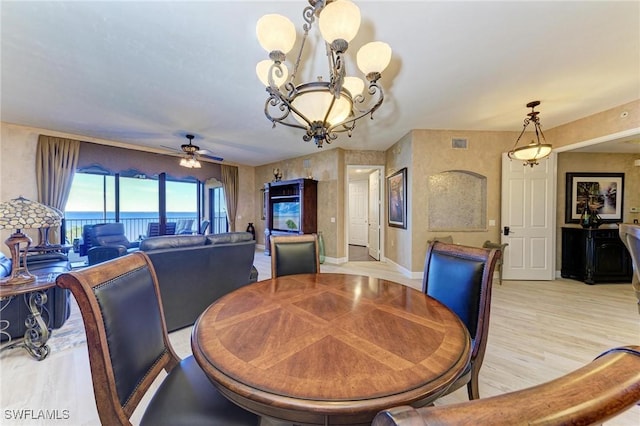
{"x": 294, "y": 254}
{"x": 460, "y": 277}
{"x": 502, "y": 246}
{"x": 630, "y": 236}
{"x": 129, "y": 347}
{"x": 590, "y": 395}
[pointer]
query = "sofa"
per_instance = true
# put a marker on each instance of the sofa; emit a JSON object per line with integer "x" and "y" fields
{"x": 195, "y": 270}
{"x": 56, "y": 310}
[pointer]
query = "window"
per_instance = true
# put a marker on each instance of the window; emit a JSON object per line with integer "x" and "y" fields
{"x": 218, "y": 211}
{"x": 182, "y": 206}
{"x": 138, "y": 205}
{"x": 98, "y": 197}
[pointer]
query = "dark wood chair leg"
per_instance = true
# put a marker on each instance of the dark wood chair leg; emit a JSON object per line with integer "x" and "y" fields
{"x": 472, "y": 386}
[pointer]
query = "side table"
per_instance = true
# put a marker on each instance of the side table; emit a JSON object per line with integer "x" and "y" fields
{"x": 35, "y": 296}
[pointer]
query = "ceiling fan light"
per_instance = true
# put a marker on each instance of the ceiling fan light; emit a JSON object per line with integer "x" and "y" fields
{"x": 276, "y": 33}
{"x": 262, "y": 70}
{"x": 339, "y": 20}
{"x": 374, "y": 57}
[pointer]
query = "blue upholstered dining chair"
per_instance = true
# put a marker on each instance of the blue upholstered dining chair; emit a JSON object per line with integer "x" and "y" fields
{"x": 294, "y": 254}
{"x": 460, "y": 277}
{"x": 129, "y": 347}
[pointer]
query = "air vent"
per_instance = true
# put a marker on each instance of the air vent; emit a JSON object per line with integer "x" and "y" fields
{"x": 459, "y": 143}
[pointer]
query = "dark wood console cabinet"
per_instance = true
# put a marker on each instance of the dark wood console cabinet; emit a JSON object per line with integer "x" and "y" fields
{"x": 594, "y": 255}
{"x": 300, "y": 195}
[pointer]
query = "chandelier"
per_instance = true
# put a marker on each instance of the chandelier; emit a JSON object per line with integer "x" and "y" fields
{"x": 530, "y": 154}
{"x": 321, "y": 108}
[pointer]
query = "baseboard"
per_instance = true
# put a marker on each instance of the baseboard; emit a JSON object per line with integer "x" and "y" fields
{"x": 417, "y": 275}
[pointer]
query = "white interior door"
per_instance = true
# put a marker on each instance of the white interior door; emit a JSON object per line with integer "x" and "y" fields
{"x": 528, "y": 210}
{"x": 358, "y": 212}
{"x": 374, "y": 214}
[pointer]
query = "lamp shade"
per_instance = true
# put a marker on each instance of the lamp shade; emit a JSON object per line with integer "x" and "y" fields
{"x": 339, "y": 20}
{"x": 314, "y": 105}
{"x": 374, "y": 57}
{"x": 354, "y": 85}
{"x": 533, "y": 151}
{"x": 276, "y": 32}
{"x": 262, "y": 70}
{"x": 21, "y": 213}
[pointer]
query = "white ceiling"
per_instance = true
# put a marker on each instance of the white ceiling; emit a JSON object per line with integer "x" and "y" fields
{"x": 147, "y": 73}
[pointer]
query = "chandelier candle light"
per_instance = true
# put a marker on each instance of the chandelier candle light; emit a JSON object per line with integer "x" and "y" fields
{"x": 530, "y": 154}
{"x": 19, "y": 214}
{"x": 321, "y": 108}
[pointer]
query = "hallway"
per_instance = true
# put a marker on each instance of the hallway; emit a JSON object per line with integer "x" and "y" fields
{"x": 359, "y": 254}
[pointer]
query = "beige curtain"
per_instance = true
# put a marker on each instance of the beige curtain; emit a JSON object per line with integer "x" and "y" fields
{"x": 56, "y": 162}
{"x": 230, "y": 186}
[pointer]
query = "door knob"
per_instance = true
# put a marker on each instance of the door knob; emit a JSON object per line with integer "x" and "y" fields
{"x": 507, "y": 230}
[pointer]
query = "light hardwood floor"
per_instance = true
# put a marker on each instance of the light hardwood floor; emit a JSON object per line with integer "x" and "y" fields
{"x": 539, "y": 330}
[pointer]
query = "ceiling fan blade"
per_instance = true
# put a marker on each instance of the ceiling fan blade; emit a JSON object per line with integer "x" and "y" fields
{"x": 208, "y": 154}
{"x": 172, "y": 148}
{"x": 213, "y": 157}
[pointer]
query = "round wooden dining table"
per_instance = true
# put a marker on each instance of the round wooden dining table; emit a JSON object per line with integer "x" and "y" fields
{"x": 329, "y": 348}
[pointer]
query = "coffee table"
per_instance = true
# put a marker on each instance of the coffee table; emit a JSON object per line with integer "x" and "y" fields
{"x": 329, "y": 348}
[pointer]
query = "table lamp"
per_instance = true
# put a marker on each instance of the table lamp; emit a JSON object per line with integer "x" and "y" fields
{"x": 43, "y": 242}
{"x": 20, "y": 214}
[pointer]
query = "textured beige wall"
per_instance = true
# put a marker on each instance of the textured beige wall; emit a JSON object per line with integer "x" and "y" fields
{"x": 18, "y": 165}
{"x": 17, "y": 158}
{"x": 364, "y": 158}
{"x": 572, "y": 162}
{"x": 594, "y": 126}
{"x": 432, "y": 154}
{"x": 423, "y": 152}
{"x": 398, "y": 241}
{"x": 328, "y": 167}
{"x": 325, "y": 167}
{"x": 249, "y": 201}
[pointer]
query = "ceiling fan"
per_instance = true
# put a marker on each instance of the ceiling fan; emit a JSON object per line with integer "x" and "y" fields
{"x": 191, "y": 151}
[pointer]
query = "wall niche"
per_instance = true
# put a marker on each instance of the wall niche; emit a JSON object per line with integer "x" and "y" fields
{"x": 457, "y": 201}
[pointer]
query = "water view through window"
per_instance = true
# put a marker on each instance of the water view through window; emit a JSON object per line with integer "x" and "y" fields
{"x": 93, "y": 200}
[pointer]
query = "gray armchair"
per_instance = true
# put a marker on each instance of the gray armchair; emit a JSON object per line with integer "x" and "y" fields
{"x": 107, "y": 241}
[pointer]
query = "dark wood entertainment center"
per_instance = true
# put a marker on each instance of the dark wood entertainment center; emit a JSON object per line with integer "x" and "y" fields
{"x": 595, "y": 255}
{"x": 298, "y": 195}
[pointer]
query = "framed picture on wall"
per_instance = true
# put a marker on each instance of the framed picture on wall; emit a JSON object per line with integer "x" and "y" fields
{"x": 602, "y": 192}
{"x": 397, "y": 201}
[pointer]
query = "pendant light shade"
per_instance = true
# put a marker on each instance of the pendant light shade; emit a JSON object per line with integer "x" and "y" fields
{"x": 339, "y": 20}
{"x": 374, "y": 57}
{"x": 276, "y": 33}
{"x": 536, "y": 150}
{"x": 262, "y": 70}
{"x": 354, "y": 85}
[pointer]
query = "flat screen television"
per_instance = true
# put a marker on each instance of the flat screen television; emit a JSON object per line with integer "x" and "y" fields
{"x": 286, "y": 216}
